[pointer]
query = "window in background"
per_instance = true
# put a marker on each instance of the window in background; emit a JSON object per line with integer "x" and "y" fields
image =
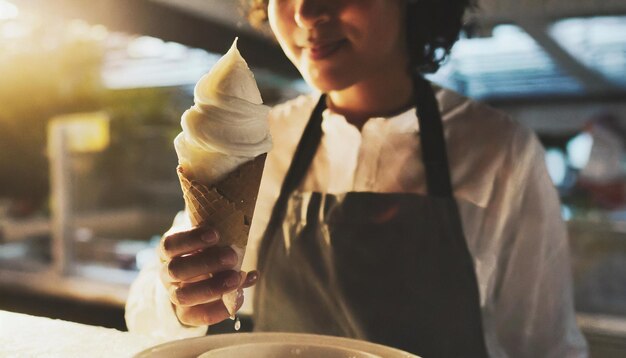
{"x": 599, "y": 42}
{"x": 511, "y": 64}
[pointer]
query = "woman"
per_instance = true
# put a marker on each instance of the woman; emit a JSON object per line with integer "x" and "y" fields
{"x": 361, "y": 229}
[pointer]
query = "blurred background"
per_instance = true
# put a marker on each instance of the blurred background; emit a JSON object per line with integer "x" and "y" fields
{"x": 91, "y": 95}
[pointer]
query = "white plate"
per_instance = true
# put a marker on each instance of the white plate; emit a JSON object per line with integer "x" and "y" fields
{"x": 193, "y": 347}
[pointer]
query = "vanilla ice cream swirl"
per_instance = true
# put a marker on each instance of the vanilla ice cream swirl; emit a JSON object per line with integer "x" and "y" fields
{"x": 228, "y": 124}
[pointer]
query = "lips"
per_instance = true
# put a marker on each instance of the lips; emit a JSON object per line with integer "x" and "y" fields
{"x": 321, "y": 50}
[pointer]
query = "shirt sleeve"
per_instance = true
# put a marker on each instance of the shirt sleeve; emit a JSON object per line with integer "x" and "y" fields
{"x": 148, "y": 307}
{"x": 534, "y": 309}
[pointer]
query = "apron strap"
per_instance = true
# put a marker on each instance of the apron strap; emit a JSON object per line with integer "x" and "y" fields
{"x": 307, "y": 147}
{"x": 305, "y": 151}
{"x": 434, "y": 153}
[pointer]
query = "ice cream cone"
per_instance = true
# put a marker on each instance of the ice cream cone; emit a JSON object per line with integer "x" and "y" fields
{"x": 227, "y": 205}
{"x": 221, "y": 151}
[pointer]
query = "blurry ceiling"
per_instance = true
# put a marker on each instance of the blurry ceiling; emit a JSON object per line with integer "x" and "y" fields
{"x": 538, "y": 56}
{"x": 514, "y": 10}
{"x": 579, "y": 57}
{"x": 227, "y": 12}
{"x": 523, "y": 48}
{"x": 491, "y": 11}
{"x": 179, "y": 21}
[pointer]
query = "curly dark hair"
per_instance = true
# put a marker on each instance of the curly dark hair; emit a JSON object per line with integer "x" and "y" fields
{"x": 433, "y": 26}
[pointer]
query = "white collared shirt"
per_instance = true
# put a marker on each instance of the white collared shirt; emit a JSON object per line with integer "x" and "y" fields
{"x": 509, "y": 207}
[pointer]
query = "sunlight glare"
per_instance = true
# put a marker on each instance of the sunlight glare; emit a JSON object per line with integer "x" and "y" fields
{"x": 8, "y": 10}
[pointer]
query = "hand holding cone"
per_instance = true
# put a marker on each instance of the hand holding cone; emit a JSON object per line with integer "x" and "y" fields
{"x": 227, "y": 206}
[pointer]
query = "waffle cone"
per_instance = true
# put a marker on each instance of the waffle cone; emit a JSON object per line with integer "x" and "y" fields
{"x": 227, "y": 205}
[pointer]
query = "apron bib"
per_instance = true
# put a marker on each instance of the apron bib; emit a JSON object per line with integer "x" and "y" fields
{"x": 390, "y": 268}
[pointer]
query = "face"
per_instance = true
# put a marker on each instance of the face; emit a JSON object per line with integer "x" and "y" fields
{"x": 338, "y": 43}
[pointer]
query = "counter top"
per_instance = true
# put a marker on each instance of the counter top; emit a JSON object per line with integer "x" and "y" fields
{"x": 30, "y": 336}
{"x": 87, "y": 287}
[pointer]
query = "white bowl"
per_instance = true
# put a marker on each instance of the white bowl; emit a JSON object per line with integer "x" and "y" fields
{"x": 194, "y": 347}
{"x": 286, "y": 350}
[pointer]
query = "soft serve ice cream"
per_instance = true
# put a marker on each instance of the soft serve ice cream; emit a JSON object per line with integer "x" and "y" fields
{"x": 227, "y": 126}
{"x": 221, "y": 153}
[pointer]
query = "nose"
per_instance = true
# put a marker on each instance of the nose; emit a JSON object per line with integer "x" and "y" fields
{"x": 311, "y": 13}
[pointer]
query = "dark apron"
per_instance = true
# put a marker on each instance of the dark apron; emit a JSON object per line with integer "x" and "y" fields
{"x": 391, "y": 268}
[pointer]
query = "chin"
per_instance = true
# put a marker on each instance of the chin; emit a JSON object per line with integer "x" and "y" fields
{"x": 326, "y": 81}
{"x": 325, "y": 86}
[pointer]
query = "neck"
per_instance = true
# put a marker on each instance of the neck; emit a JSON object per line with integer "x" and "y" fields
{"x": 383, "y": 94}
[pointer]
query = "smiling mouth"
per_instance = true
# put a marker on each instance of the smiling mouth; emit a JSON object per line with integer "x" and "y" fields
{"x": 323, "y": 50}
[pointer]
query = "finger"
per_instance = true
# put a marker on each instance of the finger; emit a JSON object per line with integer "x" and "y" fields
{"x": 164, "y": 275}
{"x": 168, "y": 280}
{"x": 205, "y": 291}
{"x": 209, "y": 261}
{"x": 251, "y": 279}
{"x": 185, "y": 242}
{"x": 207, "y": 313}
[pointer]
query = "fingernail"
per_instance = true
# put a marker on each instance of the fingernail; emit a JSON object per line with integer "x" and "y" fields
{"x": 179, "y": 295}
{"x": 252, "y": 277}
{"x": 228, "y": 256}
{"x": 232, "y": 280}
{"x": 210, "y": 237}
